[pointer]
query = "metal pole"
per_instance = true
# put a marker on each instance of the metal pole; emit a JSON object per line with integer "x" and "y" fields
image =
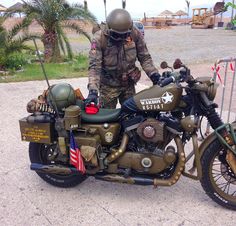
{"x": 45, "y": 75}
{"x": 41, "y": 63}
{"x": 223, "y": 94}
{"x": 232, "y": 90}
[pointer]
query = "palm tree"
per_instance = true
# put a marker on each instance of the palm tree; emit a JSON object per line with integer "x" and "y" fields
{"x": 123, "y": 4}
{"x": 233, "y": 5}
{"x": 188, "y": 5}
{"x": 85, "y": 5}
{"x": 11, "y": 41}
{"x": 105, "y": 7}
{"x": 54, "y": 16}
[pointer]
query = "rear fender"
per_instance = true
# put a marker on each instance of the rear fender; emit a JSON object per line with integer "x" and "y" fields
{"x": 204, "y": 145}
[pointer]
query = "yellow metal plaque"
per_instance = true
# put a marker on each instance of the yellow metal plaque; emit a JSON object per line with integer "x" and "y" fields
{"x": 35, "y": 132}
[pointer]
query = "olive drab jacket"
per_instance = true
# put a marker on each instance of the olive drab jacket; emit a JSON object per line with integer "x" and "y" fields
{"x": 112, "y": 63}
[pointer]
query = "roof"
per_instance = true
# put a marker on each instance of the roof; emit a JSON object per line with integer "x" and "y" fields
{"x": 181, "y": 13}
{"x": 166, "y": 13}
{"x": 17, "y": 6}
{"x": 2, "y": 8}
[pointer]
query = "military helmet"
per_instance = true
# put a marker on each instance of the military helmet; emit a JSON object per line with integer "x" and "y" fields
{"x": 119, "y": 24}
{"x": 61, "y": 96}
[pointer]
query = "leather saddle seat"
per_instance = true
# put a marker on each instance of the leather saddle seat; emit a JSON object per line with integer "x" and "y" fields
{"x": 103, "y": 115}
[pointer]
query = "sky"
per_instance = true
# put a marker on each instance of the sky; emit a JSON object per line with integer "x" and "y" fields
{"x": 135, "y": 7}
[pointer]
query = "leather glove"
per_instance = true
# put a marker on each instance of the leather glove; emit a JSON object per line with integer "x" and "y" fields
{"x": 92, "y": 97}
{"x": 155, "y": 78}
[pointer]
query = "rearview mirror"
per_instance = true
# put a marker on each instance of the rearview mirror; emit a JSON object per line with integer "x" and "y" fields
{"x": 177, "y": 64}
{"x": 164, "y": 65}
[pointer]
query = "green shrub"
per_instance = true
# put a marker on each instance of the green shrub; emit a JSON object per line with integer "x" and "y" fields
{"x": 15, "y": 61}
{"x": 80, "y": 62}
{"x": 2, "y": 62}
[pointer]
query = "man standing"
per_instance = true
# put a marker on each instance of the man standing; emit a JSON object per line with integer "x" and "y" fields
{"x": 114, "y": 51}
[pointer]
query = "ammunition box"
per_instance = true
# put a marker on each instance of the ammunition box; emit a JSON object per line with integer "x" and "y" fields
{"x": 36, "y": 132}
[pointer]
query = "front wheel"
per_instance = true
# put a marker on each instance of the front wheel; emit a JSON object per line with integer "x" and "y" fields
{"x": 40, "y": 153}
{"x": 219, "y": 180}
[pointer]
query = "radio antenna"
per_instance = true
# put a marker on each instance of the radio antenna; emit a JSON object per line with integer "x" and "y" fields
{"x": 45, "y": 75}
{"x": 41, "y": 63}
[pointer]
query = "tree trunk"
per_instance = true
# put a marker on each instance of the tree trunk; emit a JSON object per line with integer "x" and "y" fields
{"x": 105, "y": 6}
{"x": 51, "y": 48}
{"x": 232, "y": 13}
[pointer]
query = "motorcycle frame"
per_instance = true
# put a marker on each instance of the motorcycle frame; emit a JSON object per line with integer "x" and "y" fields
{"x": 198, "y": 152}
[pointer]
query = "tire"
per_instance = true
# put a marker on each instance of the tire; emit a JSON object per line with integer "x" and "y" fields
{"x": 37, "y": 154}
{"x": 215, "y": 170}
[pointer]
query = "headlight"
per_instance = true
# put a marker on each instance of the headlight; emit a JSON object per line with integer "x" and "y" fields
{"x": 211, "y": 91}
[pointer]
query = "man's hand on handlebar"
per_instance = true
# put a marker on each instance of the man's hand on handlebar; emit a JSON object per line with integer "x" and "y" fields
{"x": 155, "y": 78}
{"x": 180, "y": 76}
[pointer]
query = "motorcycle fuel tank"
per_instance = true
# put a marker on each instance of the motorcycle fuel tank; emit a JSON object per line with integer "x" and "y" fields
{"x": 159, "y": 98}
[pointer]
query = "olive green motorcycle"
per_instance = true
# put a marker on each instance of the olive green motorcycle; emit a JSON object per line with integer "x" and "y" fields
{"x": 145, "y": 142}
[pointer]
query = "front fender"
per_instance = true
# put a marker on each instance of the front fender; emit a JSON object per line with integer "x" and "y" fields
{"x": 209, "y": 139}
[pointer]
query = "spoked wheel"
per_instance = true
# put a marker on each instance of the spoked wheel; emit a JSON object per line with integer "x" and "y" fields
{"x": 219, "y": 179}
{"x": 43, "y": 154}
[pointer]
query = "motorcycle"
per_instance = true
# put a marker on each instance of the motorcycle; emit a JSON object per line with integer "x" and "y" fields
{"x": 141, "y": 143}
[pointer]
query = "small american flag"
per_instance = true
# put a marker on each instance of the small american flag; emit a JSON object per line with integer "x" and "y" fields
{"x": 75, "y": 155}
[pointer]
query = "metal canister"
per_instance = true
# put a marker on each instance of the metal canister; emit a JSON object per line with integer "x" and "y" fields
{"x": 72, "y": 117}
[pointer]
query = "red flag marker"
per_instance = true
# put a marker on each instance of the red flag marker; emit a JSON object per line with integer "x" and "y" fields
{"x": 217, "y": 69}
{"x": 231, "y": 67}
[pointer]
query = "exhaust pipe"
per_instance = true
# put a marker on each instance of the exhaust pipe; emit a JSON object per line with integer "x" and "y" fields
{"x": 127, "y": 180}
{"x": 53, "y": 169}
{"x": 117, "y": 153}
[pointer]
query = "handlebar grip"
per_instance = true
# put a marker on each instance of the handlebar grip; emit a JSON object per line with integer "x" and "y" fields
{"x": 167, "y": 81}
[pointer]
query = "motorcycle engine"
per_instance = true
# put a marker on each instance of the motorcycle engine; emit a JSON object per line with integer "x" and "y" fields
{"x": 147, "y": 151}
{"x": 151, "y": 130}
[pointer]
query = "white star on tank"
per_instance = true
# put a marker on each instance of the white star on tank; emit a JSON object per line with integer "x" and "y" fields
{"x": 167, "y": 98}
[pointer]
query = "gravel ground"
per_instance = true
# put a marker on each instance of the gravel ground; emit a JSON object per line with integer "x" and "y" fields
{"x": 193, "y": 46}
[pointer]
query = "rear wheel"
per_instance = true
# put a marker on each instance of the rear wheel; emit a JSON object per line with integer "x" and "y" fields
{"x": 219, "y": 180}
{"x": 40, "y": 153}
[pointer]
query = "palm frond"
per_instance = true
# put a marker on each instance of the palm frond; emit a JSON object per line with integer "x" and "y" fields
{"x": 16, "y": 46}
{"x": 78, "y": 12}
{"x": 18, "y": 27}
{"x": 68, "y": 46}
{"x": 28, "y": 37}
{"x": 52, "y": 16}
{"x": 230, "y": 4}
{"x": 3, "y": 38}
{"x": 77, "y": 28}
{"x": 60, "y": 39}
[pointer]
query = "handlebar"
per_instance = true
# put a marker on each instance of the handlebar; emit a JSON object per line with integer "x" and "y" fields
{"x": 167, "y": 81}
{"x": 177, "y": 76}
